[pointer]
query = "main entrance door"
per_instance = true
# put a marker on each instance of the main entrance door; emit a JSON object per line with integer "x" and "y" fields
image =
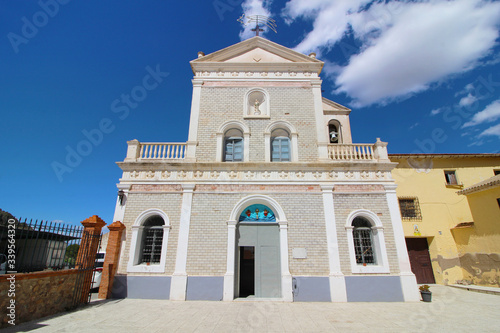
{"x": 258, "y": 253}
{"x": 418, "y": 251}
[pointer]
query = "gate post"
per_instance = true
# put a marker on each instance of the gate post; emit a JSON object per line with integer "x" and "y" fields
{"x": 85, "y": 260}
{"x": 111, "y": 259}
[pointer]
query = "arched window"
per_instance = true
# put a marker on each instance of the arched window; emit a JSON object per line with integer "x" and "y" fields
{"x": 280, "y": 146}
{"x": 152, "y": 239}
{"x": 363, "y": 242}
{"x": 148, "y": 246}
{"x": 334, "y": 132}
{"x": 233, "y": 146}
{"x": 281, "y": 143}
{"x": 365, "y": 237}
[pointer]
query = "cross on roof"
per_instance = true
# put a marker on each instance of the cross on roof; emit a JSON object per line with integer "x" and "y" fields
{"x": 260, "y": 21}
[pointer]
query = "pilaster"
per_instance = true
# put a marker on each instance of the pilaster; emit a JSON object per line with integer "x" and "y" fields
{"x": 179, "y": 278}
{"x": 228, "y": 294}
{"x": 338, "y": 291}
{"x": 408, "y": 280}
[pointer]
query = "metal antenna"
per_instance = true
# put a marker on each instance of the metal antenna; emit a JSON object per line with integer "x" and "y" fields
{"x": 260, "y": 20}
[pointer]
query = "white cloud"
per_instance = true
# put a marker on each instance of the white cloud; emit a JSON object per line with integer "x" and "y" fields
{"x": 436, "y": 111}
{"x": 488, "y": 115}
{"x": 406, "y": 45}
{"x": 330, "y": 20}
{"x": 492, "y": 131}
{"x": 254, "y": 7}
{"x": 467, "y": 100}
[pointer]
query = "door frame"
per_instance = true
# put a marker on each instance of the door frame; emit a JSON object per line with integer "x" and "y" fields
{"x": 430, "y": 269}
{"x": 230, "y": 276}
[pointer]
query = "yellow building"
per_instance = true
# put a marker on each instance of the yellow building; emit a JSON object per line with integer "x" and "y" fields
{"x": 451, "y": 216}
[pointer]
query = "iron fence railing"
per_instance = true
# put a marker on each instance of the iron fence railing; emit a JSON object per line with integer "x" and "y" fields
{"x": 40, "y": 245}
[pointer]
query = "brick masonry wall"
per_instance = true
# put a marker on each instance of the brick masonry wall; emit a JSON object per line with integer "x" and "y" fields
{"x": 292, "y": 104}
{"x": 137, "y": 203}
{"x": 38, "y": 294}
{"x": 303, "y": 207}
{"x": 377, "y": 203}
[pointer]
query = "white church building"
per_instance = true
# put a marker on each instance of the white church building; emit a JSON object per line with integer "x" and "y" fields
{"x": 268, "y": 199}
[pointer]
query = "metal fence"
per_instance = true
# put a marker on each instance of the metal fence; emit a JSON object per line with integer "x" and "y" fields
{"x": 41, "y": 245}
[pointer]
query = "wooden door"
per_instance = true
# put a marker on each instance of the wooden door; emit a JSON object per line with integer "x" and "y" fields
{"x": 418, "y": 251}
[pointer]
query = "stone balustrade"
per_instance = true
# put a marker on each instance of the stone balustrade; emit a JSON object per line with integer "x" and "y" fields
{"x": 138, "y": 151}
{"x": 141, "y": 151}
{"x": 350, "y": 152}
{"x": 358, "y": 152}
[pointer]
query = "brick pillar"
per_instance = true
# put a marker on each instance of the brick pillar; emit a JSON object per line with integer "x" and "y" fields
{"x": 111, "y": 259}
{"x": 87, "y": 251}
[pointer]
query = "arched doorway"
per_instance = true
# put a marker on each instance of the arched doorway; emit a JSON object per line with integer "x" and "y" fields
{"x": 257, "y": 247}
{"x": 258, "y": 269}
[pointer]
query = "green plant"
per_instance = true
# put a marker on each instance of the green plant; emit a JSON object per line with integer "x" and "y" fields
{"x": 424, "y": 287}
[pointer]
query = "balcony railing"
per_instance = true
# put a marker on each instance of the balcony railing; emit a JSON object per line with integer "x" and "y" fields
{"x": 162, "y": 151}
{"x": 141, "y": 151}
{"x": 138, "y": 151}
{"x": 350, "y": 152}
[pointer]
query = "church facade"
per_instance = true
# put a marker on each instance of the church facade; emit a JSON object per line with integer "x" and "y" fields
{"x": 268, "y": 199}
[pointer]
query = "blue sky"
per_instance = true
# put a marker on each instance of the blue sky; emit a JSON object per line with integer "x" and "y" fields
{"x": 421, "y": 75}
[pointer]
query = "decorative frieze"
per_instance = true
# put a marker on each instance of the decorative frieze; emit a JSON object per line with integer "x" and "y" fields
{"x": 278, "y": 74}
{"x": 252, "y": 175}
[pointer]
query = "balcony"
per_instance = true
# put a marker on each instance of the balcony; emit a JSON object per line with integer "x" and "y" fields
{"x": 153, "y": 151}
{"x": 351, "y": 152}
{"x": 178, "y": 152}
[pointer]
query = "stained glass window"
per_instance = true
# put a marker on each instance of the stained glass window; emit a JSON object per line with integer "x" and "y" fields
{"x": 257, "y": 213}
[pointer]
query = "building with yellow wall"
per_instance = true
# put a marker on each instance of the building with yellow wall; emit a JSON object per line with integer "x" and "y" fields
{"x": 479, "y": 245}
{"x": 451, "y": 216}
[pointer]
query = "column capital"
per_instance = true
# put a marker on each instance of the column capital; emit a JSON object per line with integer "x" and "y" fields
{"x": 94, "y": 222}
{"x": 327, "y": 188}
{"x": 187, "y": 187}
{"x": 116, "y": 226}
{"x": 390, "y": 187}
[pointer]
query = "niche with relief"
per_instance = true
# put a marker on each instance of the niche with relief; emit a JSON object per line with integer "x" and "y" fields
{"x": 256, "y": 104}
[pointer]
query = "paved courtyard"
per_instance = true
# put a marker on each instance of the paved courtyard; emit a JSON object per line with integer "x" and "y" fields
{"x": 451, "y": 310}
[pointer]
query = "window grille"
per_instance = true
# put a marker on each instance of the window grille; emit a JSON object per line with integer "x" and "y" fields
{"x": 410, "y": 209}
{"x": 152, "y": 240}
{"x": 363, "y": 243}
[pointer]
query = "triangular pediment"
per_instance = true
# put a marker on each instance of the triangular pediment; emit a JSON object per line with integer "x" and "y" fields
{"x": 331, "y": 107}
{"x": 258, "y": 55}
{"x": 255, "y": 52}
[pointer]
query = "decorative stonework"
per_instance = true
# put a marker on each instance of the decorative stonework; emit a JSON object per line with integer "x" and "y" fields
{"x": 252, "y": 175}
{"x": 278, "y": 74}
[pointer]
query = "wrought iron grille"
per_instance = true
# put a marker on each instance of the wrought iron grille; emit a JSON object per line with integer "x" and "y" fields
{"x": 410, "y": 209}
{"x": 363, "y": 243}
{"x": 86, "y": 265}
{"x": 41, "y": 245}
{"x": 152, "y": 243}
{"x": 363, "y": 246}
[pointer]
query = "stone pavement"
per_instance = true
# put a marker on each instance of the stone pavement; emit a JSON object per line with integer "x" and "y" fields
{"x": 451, "y": 310}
